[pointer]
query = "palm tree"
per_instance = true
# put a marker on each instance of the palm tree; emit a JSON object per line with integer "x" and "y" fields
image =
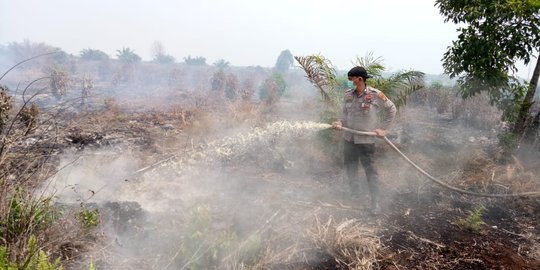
{"x": 92, "y": 54}
{"x": 127, "y": 55}
{"x": 321, "y": 73}
{"x": 398, "y": 86}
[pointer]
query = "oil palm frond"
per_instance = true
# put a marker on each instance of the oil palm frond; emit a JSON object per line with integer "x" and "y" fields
{"x": 321, "y": 73}
{"x": 402, "y": 84}
{"x": 373, "y": 65}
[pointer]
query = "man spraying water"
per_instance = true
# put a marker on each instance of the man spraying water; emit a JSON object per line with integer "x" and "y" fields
{"x": 365, "y": 109}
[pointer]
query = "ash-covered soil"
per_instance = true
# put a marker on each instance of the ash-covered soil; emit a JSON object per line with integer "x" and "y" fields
{"x": 285, "y": 193}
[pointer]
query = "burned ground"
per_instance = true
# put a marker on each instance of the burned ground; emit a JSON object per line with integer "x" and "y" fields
{"x": 175, "y": 192}
{"x": 289, "y": 211}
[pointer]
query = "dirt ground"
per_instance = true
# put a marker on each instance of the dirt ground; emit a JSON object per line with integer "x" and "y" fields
{"x": 286, "y": 202}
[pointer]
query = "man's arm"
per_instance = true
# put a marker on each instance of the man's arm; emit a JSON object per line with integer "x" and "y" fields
{"x": 388, "y": 115}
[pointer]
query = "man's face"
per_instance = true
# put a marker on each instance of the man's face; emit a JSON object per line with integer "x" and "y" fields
{"x": 355, "y": 80}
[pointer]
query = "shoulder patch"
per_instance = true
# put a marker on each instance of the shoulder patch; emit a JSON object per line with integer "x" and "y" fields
{"x": 348, "y": 97}
{"x": 382, "y": 96}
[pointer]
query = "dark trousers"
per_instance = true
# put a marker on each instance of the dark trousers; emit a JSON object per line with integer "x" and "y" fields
{"x": 365, "y": 153}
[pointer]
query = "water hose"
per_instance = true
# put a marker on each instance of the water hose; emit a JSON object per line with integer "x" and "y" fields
{"x": 441, "y": 183}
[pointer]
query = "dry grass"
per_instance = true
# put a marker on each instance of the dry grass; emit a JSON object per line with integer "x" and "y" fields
{"x": 350, "y": 243}
{"x": 486, "y": 174}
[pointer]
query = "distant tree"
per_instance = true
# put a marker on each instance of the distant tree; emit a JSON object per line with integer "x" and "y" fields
{"x": 60, "y": 57}
{"x": 3, "y": 52}
{"x": 284, "y": 61}
{"x": 225, "y": 83}
{"x": 164, "y": 59}
{"x": 231, "y": 87}
{"x": 494, "y": 37}
{"x": 157, "y": 49}
{"x": 159, "y": 54}
{"x": 195, "y": 61}
{"x": 218, "y": 81}
{"x": 93, "y": 55}
{"x": 104, "y": 69}
{"x": 247, "y": 89}
{"x": 87, "y": 86}
{"x": 221, "y": 64}
{"x": 27, "y": 49}
{"x": 273, "y": 88}
{"x": 128, "y": 56}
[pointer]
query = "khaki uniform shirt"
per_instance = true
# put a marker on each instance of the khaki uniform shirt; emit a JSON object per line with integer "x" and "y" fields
{"x": 366, "y": 111}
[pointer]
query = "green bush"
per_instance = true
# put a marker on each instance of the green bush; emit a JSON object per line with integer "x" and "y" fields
{"x": 88, "y": 218}
{"x": 273, "y": 88}
{"x": 26, "y": 215}
{"x": 35, "y": 259}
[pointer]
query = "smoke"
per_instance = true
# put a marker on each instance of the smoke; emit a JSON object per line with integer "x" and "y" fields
{"x": 228, "y": 190}
{"x": 247, "y": 182}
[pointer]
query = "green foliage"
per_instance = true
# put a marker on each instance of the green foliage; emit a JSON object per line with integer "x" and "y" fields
{"x": 495, "y": 35}
{"x": 128, "y": 56}
{"x": 164, "y": 59}
{"x": 474, "y": 220}
{"x": 508, "y": 99}
{"x": 222, "y": 64}
{"x": 509, "y": 142}
{"x": 273, "y": 88}
{"x": 195, "y": 61}
{"x": 92, "y": 266}
{"x": 203, "y": 247}
{"x": 27, "y": 49}
{"x": 331, "y": 142}
{"x": 60, "y": 57}
{"x": 440, "y": 98}
{"x": 284, "y": 61}
{"x": 4, "y": 259}
{"x": 26, "y": 215}
{"x": 225, "y": 83}
{"x": 159, "y": 54}
{"x": 321, "y": 73}
{"x": 398, "y": 86}
{"x": 93, "y": 55}
{"x": 35, "y": 259}
{"x": 88, "y": 218}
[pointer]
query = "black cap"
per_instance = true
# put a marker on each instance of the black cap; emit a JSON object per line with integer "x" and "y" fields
{"x": 358, "y": 72}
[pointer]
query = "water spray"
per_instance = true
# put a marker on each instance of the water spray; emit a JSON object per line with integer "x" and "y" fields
{"x": 231, "y": 147}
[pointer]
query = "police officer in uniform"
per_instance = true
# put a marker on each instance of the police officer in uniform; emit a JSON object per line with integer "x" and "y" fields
{"x": 365, "y": 109}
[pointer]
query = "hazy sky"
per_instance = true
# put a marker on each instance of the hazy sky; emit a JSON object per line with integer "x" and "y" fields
{"x": 406, "y": 34}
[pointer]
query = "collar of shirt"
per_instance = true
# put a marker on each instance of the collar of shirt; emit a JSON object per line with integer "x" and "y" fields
{"x": 361, "y": 93}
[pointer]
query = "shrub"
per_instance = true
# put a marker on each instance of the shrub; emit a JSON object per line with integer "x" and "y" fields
{"x": 273, "y": 88}
{"x": 474, "y": 220}
{"x": 35, "y": 259}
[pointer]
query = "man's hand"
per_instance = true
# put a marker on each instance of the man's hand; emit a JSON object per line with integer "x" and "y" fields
{"x": 337, "y": 125}
{"x": 380, "y": 132}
